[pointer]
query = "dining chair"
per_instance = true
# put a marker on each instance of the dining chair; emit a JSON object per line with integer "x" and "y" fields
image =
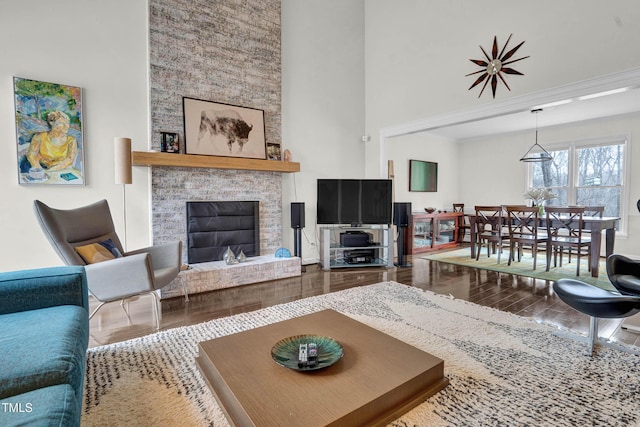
{"x": 490, "y": 230}
{"x": 564, "y": 229}
{"x": 595, "y": 211}
{"x": 463, "y": 224}
{"x": 523, "y": 223}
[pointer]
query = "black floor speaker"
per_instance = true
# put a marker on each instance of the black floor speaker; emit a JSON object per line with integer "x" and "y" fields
{"x": 297, "y": 223}
{"x": 401, "y": 213}
{"x": 297, "y": 215}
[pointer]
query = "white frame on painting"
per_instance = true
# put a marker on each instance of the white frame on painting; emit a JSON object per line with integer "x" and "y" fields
{"x": 49, "y": 141}
{"x": 216, "y": 129}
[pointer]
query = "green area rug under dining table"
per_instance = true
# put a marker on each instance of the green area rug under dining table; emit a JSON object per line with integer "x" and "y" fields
{"x": 525, "y": 266}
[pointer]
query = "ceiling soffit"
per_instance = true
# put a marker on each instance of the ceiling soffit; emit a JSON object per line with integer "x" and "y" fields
{"x": 514, "y": 114}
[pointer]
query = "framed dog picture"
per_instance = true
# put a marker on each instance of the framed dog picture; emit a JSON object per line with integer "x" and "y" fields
{"x": 217, "y": 129}
{"x": 169, "y": 143}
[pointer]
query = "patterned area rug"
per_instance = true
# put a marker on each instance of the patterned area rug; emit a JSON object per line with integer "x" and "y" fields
{"x": 525, "y": 266}
{"x": 504, "y": 370}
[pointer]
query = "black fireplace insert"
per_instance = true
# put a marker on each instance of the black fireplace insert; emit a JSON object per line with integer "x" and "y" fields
{"x": 212, "y": 227}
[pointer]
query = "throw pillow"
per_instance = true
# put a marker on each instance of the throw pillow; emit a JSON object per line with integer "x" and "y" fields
{"x": 99, "y": 252}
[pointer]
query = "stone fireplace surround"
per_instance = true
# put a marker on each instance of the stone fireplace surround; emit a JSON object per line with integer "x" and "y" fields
{"x": 213, "y": 275}
{"x": 227, "y": 52}
{"x": 173, "y": 187}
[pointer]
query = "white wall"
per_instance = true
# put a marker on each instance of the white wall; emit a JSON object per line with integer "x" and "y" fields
{"x": 417, "y": 52}
{"x": 104, "y": 51}
{"x": 102, "y": 48}
{"x": 341, "y": 79}
{"x": 432, "y": 149}
{"x": 322, "y": 102}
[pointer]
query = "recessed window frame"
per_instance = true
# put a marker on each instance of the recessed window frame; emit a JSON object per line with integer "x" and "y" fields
{"x": 572, "y": 147}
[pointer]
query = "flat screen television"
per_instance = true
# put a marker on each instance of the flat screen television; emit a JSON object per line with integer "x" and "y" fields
{"x": 423, "y": 176}
{"x": 354, "y": 201}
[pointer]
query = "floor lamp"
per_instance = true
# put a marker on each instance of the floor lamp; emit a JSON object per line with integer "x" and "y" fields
{"x": 123, "y": 172}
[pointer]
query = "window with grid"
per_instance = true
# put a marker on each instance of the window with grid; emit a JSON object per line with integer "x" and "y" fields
{"x": 586, "y": 174}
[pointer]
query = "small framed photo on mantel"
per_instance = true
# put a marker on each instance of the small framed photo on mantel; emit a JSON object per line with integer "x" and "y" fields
{"x": 169, "y": 143}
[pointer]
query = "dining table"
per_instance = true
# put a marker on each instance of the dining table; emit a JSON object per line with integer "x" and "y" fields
{"x": 594, "y": 224}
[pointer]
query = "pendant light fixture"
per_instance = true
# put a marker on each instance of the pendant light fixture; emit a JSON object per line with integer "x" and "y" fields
{"x": 539, "y": 154}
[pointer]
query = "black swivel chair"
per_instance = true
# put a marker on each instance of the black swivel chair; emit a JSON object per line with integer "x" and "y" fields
{"x": 624, "y": 274}
{"x": 596, "y": 303}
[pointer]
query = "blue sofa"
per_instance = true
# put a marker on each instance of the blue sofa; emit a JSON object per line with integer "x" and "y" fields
{"x": 44, "y": 334}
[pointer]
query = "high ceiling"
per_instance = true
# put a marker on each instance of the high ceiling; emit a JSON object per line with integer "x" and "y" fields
{"x": 606, "y": 96}
{"x": 574, "y": 111}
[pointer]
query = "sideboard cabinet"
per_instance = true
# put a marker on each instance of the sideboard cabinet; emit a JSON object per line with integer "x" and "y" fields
{"x": 428, "y": 232}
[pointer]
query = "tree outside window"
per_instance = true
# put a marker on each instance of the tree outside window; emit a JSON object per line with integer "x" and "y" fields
{"x": 584, "y": 174}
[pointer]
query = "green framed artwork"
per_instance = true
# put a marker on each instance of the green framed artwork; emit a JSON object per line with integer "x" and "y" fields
{"x": 50, "y": 147}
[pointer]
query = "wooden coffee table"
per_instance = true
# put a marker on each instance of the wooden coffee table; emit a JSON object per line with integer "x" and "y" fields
{"x": 378, "y": 379}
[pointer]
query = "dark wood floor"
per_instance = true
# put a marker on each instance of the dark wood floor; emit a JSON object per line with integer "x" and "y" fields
{"x": 516, "y": 294}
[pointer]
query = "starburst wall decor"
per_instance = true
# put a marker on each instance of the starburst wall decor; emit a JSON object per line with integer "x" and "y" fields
{"x": 494, "y": 66}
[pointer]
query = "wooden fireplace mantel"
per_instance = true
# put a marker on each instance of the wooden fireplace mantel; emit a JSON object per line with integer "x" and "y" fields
{"x": 154, "y": 158}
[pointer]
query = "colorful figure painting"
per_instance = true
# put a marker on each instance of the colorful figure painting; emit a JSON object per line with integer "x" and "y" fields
{"x": 49, "y": 133}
